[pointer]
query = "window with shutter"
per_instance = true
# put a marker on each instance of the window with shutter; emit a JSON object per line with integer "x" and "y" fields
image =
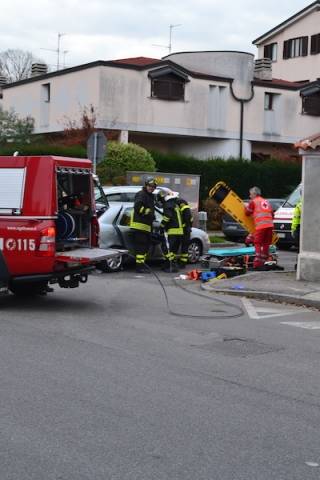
{"x": 315, "y": 44}
{"x": 311, "y": 105}
{"x": 295, "y": 47}
{"x": 286, "y": 49}
{"x": 304, "y": 46}
{"x": 168, "y": 87}
{"x": 270, "y": 51}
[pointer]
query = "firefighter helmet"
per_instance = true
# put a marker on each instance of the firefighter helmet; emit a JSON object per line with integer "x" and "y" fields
{"x": 150, "y": 181}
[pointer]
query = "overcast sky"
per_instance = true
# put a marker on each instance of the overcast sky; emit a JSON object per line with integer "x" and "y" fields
{"x": 111, "y": 29}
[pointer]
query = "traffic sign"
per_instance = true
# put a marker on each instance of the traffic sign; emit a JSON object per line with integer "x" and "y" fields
{"x": 96, "y": 148}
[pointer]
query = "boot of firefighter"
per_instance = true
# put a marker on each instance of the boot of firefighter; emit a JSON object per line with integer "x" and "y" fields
{"x": 170, "y": 267}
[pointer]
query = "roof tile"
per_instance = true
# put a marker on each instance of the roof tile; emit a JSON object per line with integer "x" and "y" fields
{"x": 140, "y": 61}
{"x": 310, "y": 143}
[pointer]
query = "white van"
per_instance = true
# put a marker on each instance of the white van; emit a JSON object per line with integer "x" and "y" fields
{"x": 283, "y": 218}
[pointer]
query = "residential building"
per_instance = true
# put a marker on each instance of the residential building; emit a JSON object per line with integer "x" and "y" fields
{"x": 293, "y": 46}
{"x": 206, "y": 104}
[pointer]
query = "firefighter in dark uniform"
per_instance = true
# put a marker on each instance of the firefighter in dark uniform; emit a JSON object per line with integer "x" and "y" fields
{"x": 187, "y": 219}
{"x": 172, "y": 224}
{"x": 142, "y": 217}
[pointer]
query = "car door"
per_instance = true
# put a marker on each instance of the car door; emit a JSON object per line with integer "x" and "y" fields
{"x": 123, "y": 228}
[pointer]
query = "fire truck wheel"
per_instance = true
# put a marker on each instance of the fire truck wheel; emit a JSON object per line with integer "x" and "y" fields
{"x": 30, "y": 289}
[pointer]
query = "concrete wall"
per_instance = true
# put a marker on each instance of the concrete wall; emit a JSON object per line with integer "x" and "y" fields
{"x": 122, "y": 99}
{"x": 284, "y": 124}
{"x": 68, "y": 95}
{"x": 309, "y": 257}
{"x": 201, "y": 148}
{"x": 125, "y": 101}
{"x": 299, "y": 68}
{"x": 236, "y": 65}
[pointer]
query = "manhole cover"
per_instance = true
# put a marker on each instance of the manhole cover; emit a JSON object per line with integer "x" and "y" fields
{"x": 241, "y": 347}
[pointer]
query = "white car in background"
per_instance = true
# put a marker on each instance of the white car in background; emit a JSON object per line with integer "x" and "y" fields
{"x": 122, "y": 193}
{"x": 283, "y": 218}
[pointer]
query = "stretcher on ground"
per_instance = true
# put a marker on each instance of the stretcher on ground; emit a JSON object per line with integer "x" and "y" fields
{"x": 235, "y": 259}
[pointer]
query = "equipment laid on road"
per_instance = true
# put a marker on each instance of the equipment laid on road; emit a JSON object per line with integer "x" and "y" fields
{"x": 236, "y": 260}
{"x": 49, "y": 232}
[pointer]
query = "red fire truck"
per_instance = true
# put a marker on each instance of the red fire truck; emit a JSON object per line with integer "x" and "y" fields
{"x": 49, "y": 231}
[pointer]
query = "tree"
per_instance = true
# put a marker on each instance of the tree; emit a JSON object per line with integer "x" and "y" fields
{"x": 14, "y": 129}
{"x": 78, "y": 131}
{"x": 122, "y": 157}
{"x": 16, "y": 64}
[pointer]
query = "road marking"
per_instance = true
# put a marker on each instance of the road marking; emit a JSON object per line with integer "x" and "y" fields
{"x": 258, "y": 313}
{"x": 307, "y": 325}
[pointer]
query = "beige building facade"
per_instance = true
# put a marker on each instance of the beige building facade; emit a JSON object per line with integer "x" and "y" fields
{"x": 294, "y": 46}
{"x": 204, "y": 104}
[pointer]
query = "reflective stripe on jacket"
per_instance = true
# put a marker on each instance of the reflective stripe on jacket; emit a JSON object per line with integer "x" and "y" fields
{"x": 142, "y": 215}
{"x": 139, "y": 225}
{"x": 186, "y": 214}
{"x": 172, "y": 221}
{"x": 261, "y": 211}
{"x": 296, "y": 216}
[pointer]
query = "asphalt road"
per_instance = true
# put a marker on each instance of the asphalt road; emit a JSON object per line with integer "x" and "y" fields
{"x": 104, "y": 383}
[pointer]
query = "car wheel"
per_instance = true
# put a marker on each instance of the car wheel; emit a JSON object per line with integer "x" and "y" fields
{"x": 113, "y": 264}
{"x": 194, "y": 251}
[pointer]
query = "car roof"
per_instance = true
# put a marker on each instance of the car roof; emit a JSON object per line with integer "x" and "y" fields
{"x": 121, "y": 188}
{"x": 108, "y": 189}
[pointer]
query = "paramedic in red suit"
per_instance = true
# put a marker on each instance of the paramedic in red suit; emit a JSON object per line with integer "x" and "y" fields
{"x": 261, "y": 211}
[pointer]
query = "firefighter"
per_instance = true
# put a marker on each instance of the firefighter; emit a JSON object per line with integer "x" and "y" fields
{"x": 261, "y": 211}
{"x": 187, "y": 219}
{"x": 171, "y": 224}
{"x": 141, "y": 220}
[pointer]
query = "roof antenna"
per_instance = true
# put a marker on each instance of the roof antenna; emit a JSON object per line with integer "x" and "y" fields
{"x": 169, "y": 47}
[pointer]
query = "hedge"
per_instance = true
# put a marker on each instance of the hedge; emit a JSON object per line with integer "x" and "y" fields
{"x": 76, "y": 151}
{"x": 122, "y": 157}
{"x": 275, "y": 178}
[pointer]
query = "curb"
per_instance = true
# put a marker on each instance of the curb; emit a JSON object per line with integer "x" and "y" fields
{"x": 262, "y": 295}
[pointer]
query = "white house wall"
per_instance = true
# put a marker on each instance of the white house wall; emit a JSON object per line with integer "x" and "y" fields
{"x": 298, "y": 68}
{"x": 208, "y": 118}
{"x": 126, "y": 103}
{"x": 286, "y": 123}
{"x": 68, "y": 95}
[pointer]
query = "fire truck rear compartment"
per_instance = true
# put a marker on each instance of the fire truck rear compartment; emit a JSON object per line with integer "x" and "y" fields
{"x": 73, "y": 224}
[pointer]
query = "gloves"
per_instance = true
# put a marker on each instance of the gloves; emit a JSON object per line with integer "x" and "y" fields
{"x": 161, "y": 230}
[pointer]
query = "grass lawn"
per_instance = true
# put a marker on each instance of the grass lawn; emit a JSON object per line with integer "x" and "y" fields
{"x": 217, "y": 239}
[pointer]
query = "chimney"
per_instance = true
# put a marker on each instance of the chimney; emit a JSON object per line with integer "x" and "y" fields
{"x": 3, "y": 80}
{"x": 38, "y": 69}
{"x": 263, "y": 69}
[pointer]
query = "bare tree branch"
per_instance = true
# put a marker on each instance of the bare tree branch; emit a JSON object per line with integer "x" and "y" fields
{"x": 16, "y": 64}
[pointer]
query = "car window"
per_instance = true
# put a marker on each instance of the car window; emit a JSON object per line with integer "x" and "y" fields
{"x": 294, "y": 198}
{"x": 275, "y": 204}
{"x": 114, "y": 197}
{"x": 129, "y": 196}
{"x": 125, "y": 218}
